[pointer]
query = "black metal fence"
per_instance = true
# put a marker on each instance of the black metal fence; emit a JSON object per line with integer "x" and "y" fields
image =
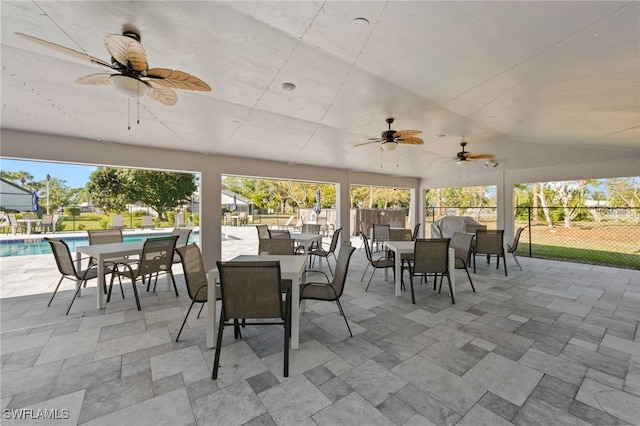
{"x": 595, "y": 235}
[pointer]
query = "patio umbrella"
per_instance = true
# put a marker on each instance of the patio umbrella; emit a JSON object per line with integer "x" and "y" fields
{"x": 316, "y": 208}
{"x": 35, "y": 206}
{"x": 234, "y": 207}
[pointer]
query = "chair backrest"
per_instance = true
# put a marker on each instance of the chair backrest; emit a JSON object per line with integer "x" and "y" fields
{"x": 61, "y": 253}
{"x": 414, "y": 235}
{"x": 251, "y": 289}
{"x": 396, "y": 224}
{"x": 334, "y": 240}
{"x": 278, "y": 246}
{"x": 47, "y": 220}
{"x": 13, "y": 221}
{"x": 30, "y": 216}
{"x": 380, "y": 232}
{"x": 147, "y": 221}
{"x": 342, "y": 267}
{"x": 471, "y": 228}
{"x": 183, "y": 236}
{"x": 310, "y": 228}
{"x": 279, "y": 234}
{"x": 431, "y": 256}
{"x": 263, "y": 232}
{"x": 178, "y": 218}
{"x": 104, "y": 236}
{"x": 489, "y": 241}
{"x": 399, "y": 235}
{"x": 195, "y": 275}
{"x": 289, "y": 221}
{"x": 461, "y": 242}
{"x": 117, "y": 220}
{"x": 367, "y": 249}
{"x": 157, "y": 255}
{"x": 516, "y": 238}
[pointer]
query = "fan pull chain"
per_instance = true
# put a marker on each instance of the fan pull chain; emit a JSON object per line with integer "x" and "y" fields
{"x": 138, "y": 121}
{"x": 128, "y": 113}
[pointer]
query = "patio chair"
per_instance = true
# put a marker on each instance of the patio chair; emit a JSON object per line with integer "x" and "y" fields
{"x": 147, "y": 222}
{"x": 461, "y": 243}
{"x": 67, "y": 268}
{"x": 263, "y": 232}
{"x": 13, "y": 223}
{"x": 490, "y": 242}
{"x": 279, "y": 234}
{"x": 117, "y": 221}
{"x": 195, "y": 277}
{"x": 278, "y": 246}
{"x": 511, "y": 248}
{"x": 414, "y": 234}
{"x": 431, "y": 256}
{"x": 310, "y": 228}
{"x": 331, "y": 291}
{"x": 156, "y": 258}
{"x": 396, "y": 224}
{"x": 380, "y": 234}
{"x": 179, "y": 221}
{"x": 321, "y": 252}
{"x": 252, "y": 291}
{"x": 380, "y": 263}
{"x": 47, "y": 223}
{"x": 107, "y": 236}
{"x": 183, "y": 238}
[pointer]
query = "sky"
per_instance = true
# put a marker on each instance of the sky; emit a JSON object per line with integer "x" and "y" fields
{"x": 76, "y": 176}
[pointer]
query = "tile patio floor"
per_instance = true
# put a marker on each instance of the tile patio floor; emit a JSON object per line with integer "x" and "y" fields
{"x": 556, "y": 344}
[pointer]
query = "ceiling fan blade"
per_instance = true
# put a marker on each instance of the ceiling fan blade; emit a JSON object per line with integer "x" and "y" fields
{"x": 479, "y": 156}
{"x": 411, "y": 140}
{"x": 99, "y": 79}
{"x": 176, "y": 79}
{"x": 369, "y": 141}
{"x": 161, "y": 93}
{"x": 406, "y": 133}
{"x": 126, "y": 51}
{"x": 74, "y": 53}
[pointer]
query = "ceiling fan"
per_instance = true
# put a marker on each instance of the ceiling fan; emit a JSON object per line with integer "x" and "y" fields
{"x": 391, "y": 138}
{"x": 130, "y": 73}
{"x": 463, "y": 157}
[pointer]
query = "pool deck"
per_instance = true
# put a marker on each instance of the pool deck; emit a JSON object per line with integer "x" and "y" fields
{"x": 79, "y": 234}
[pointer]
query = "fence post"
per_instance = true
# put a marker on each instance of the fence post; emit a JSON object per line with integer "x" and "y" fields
{"x": 529, "y": 221}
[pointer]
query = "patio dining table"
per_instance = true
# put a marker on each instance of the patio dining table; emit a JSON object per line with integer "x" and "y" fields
{"x": 29, "y": 222}
{"x": 102, "y": 252}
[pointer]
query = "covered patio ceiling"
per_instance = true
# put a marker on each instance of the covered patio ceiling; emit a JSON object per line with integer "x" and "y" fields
{"x": 536, "y": 84}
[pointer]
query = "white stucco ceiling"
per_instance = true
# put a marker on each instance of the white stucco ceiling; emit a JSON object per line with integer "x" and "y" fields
{"x": 534, "y": 83}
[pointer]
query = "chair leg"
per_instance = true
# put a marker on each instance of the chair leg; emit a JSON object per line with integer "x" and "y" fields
{"x": 135, "y": 293}
{"x": 516, "y": 259}
{"x": 369, "y": 283}
{"x": 344, "y": 316}
{"x": 474, "y": 263}
{"x": 216, "y": 358}
{"x": 453, "y": 298}
{"x": 200, "y": 311}
{"x": 287, "y": 332}
{"x": 365, "y": 271}
{"x": 185, "y": 319}
{"x": 329, "y": 263}
{"x": 504, "y": 261}
{"x": 413, "y": 295}
{"x": 55, "y": 291}
{"x": 173, "y": 280}
{"x": 470, "y": 282}
{"x": 74, "y": 298}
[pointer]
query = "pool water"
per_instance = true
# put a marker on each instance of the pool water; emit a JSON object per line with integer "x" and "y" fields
{"x": 40, "y": 246}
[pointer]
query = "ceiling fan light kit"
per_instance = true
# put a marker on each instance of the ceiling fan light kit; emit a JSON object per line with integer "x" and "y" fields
{"x": 129, "y": 86}
{"x": 389, "y": 139}
{"x": 389, "y": 146}
{"x": 491, "y": 164}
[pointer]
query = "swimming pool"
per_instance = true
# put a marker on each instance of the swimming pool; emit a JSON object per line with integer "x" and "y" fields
{"x": 32, "y": 246}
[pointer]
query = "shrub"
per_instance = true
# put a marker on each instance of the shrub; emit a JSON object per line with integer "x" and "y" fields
{"x": 195, "y": 219}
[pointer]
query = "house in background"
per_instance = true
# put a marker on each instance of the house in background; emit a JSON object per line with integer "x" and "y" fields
{"x": 14, "y": 197}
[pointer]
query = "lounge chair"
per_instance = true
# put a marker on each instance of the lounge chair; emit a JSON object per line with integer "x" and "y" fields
{"x": 117, "y": 221}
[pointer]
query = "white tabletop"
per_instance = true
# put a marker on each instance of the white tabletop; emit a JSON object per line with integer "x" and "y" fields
{"x": 291, "y": 268}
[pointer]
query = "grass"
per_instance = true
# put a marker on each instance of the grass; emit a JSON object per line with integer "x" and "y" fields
{"x": 581, "y": 255}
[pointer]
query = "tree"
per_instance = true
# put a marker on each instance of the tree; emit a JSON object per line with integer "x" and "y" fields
{"x": 159, "y": 190}
{"x": 21, "y": 177}
{"x": 108, "y": 187}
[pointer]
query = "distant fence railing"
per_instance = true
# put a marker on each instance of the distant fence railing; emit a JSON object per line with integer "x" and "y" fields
{"x": 595, "y": 235}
